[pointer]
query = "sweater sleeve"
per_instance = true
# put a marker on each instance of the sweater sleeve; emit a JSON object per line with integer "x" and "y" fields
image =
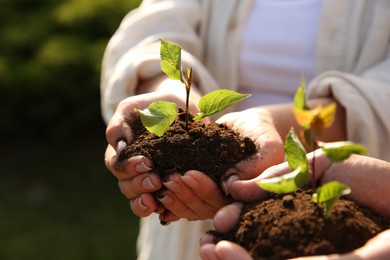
{"x": 366, "y": 98}
{"x": 133, "y": 52}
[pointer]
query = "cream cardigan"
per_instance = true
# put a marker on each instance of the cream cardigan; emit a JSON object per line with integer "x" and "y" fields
{"x": 353, "y": 66}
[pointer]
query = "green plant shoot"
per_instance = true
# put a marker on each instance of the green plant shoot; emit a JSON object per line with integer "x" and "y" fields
{"x": 158, "y": 116}
{"x": 313, "y": 121}
{"x": 161, "y": 114}
{"x": 170, "y": 55}
{"x": 328, "y": 194}
{"x": 297, "y": 161}
{"x": 286, "y": 183}
{"x": 339, "y": 151}
{"x": 217, "y": 101}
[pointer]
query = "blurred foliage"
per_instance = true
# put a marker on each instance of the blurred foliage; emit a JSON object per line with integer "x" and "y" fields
{"x": 50, "y": 58}
{"x": 61, "y": 203}
{"x": 58, "y": 202}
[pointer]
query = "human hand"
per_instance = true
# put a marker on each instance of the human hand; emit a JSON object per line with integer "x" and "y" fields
{"x": 136, "y": 179}
{"x": 224, "y": 220}
{"x": 353, "y": 172}
{"x": 375, "y": 248}
{"x": 193, "y": 196}
{"x": 228, "y": 216}
{"x": 257, "y": 124}
{"x": 179, "y": 198}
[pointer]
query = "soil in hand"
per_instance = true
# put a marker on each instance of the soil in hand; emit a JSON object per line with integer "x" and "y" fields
{"x": 211, "y": 149}
{"x": 288, "y": 226}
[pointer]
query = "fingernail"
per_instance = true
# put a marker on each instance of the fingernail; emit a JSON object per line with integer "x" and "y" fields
{"x": 228, "y": 182}
{"x": 190, "y": 181}
{"x": 166, "y": 200}
{"x": 141, "y": 206}
{"x": 120, "y": 146}
{"x": 173, "y": 186}
{"x": 147, "y": 184}
{"x": 142, "y": 167}
{"x": 164, "y": 223}
{"x": 206, "y": 239}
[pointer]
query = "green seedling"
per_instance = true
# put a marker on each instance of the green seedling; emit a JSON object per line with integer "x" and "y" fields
{"x": 313, "y": 122}
{"x": 161, "y": 114}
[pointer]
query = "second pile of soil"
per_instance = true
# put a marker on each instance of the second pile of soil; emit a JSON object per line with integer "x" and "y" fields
{"x": 288, "y": 226}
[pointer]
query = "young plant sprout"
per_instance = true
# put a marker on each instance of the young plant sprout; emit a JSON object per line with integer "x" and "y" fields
{"x": 161, "y": 114}
{"x": 313, "y": 121}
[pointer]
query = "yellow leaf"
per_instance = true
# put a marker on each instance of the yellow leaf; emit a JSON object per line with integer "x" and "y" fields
{"x": 304, "y": 117}
{"x": 327, "y": 115}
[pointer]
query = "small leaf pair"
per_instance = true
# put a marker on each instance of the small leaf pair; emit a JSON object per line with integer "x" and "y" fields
{"x": 160, "y": 115}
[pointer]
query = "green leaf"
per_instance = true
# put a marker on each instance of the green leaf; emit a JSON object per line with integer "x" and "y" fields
{"x": 170, "y": 55}
{"x": 217, "y": 101}
{"x": 295, "y": 152}
{"x": 158, "y": 117}
{"x": 300, "y": 96}
{"x": 339, "y": 151}
{"x": 328, "y": 194}
{"x": 285, "y": 184}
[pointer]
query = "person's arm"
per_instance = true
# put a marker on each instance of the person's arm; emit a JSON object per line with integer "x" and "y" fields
{"x": 369, "y": 179}
{"x": 365, "y": 97}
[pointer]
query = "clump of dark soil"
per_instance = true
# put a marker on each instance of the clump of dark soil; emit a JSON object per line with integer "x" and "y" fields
{"x": 211, "y": 149}
{"x": 288, "y": 226}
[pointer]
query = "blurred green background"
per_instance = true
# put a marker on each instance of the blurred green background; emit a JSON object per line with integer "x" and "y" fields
{"x": 57, "y": 199}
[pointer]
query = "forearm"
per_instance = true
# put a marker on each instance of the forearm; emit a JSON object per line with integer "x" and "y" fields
{"x": 368, "y": 178}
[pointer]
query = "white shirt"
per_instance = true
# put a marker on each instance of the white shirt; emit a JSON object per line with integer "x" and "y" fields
{"x": 277, "y": 50}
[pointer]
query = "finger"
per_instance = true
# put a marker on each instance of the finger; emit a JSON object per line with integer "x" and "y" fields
{"x": 207, "y": 238}
{"x": 205, "y": 188}
{"x": 208, "y": 252}
{"x": 110, "y": 159}
{"x": 144, "y": 205}
{"x": 227, "y": 217}
{"x": 184, "y": 202}
{"x": 166, "y": 217}
{"x": 136, "y": 165}
{"x": 118, "y": 129}
{"x": 227, "y": 250}
{"x": 143, "y": 183}
{"x": 376, "y": 248}
{"x": 126, "y": 169}
{"x": 176, "y": 207}
{"x": 248, "y": 190}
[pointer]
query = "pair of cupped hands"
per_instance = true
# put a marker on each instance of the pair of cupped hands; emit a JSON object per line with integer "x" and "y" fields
{"x": 193, "y": 195}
